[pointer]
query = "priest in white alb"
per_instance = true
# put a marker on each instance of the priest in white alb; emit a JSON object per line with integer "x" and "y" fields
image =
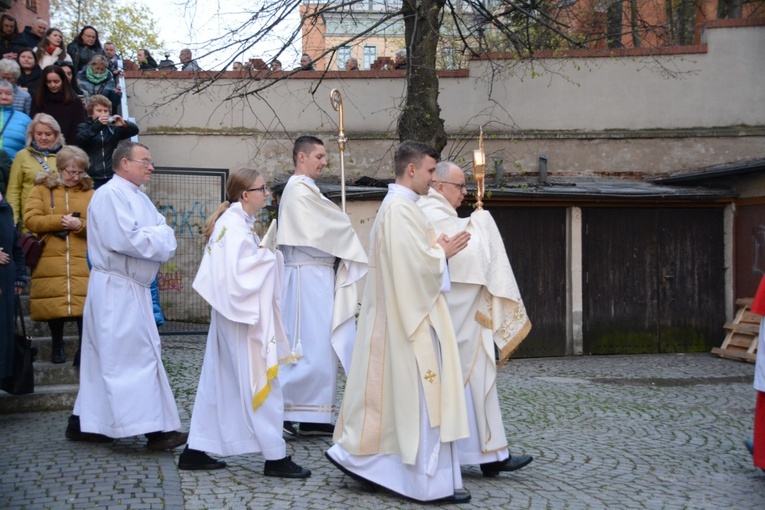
{"x": 238, "y": 407}
{"x": 124, "y": 389}
{"x": 404, "y": 402}
{"x": 324, "y": 267}
{"x": 487, "y": 310}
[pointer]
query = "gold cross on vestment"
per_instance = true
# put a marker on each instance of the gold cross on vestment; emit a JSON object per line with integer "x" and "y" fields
{"x": 430, "y": 376}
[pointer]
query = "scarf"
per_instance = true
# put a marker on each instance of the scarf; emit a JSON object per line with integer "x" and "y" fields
{"x": 96, "y": 78}
{"x": 46, "y": 152}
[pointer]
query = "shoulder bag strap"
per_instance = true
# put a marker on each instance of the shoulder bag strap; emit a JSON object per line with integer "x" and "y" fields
{"x": 6, "y": 122}
{"x": 43, "y": 163}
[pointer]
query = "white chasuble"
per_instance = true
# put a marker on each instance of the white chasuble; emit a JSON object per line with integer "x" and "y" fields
{"x": 124, "y": 390}
{"x": 320, "y": 302}
{"x": 238, "y": 407}
{"x": 404, "y": 401}
{"x": 487, "y": 310}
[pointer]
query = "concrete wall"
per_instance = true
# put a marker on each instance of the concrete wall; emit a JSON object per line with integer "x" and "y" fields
{"x": 627, "y": 116}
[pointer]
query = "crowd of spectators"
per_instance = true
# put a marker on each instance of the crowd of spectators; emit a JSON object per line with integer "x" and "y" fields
{"x": 53, "y": 153}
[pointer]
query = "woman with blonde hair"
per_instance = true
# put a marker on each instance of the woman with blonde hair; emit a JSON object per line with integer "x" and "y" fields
{"x": 44, "y": 140}
{"x": 57, "y": 209}
{"x": 239, "y": 407}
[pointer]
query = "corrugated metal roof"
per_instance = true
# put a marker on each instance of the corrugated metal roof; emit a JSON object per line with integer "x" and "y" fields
{"x": 715, "y": 172}
{"x": 579, "y": 188}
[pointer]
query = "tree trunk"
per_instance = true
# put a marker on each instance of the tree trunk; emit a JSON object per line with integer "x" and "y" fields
{"x": 420, "y": 119}
{"x": 634, "y": 13}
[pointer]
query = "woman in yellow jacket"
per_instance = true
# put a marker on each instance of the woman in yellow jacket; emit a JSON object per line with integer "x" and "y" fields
{"x": 57, "y": 209}
{"x": 44, "y": 140}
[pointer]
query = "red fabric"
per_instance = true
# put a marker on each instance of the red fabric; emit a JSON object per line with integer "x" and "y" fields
{"x": 758, "y": 305}
{"x": 759, "y": 431}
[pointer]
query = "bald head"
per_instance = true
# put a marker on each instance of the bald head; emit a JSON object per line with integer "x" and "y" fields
{"x": 449, "y": 181}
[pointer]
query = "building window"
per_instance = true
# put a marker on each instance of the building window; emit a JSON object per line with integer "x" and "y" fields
{"x": 32, "y": 5}
{"x": 370, "y": 55}
{"x": 342, "y": 55}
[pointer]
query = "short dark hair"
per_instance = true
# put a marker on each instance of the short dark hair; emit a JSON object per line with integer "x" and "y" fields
{"x": 124, "y": 150}
{"x": 411, "y": 152}
{"x": 304, "y": 144}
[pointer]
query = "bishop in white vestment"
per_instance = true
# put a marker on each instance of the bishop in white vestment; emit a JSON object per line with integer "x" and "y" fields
{"x": 404, "y": 403}
{"x": 320, "y": 301}
{"x": 487, "y": 310}
{"x": 124, "y": 389}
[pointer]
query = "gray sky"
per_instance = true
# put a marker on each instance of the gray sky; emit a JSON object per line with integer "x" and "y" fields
{"x": 180, "y": 28}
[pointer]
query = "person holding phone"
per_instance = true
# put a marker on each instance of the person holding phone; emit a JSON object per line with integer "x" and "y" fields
{"x": 56, "y": 210}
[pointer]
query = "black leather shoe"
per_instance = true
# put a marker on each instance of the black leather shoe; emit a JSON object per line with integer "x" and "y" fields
{"x": 285, "y": 468}
{"x": 459, "y": 496}
{"x": 57, "y": 355}
{"x": 317, "y": 429}
{"x": 73, "y": 433}
{"x": 192, "y": 460}
{"x": 512, "y": 463}
{"x": 368, "y": 485}
{"x": 289, "y": 428}
{"x": 166, "y": 440}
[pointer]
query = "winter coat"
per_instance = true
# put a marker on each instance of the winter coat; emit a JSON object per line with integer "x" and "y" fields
{"x": 14, "y": 136}
{"x": 22, "y": 100}
{"x": 68, "y": 115}
{"x": 23, "y": 174}
{"x": 82, "y": 55}
{"x": 60, "y": 279}
{"x": 30, "y": 81}
{"x": 10, "y": 44}
{"x": 99, "y": 141}
{"x": 46, "y": 60}
{"x": 105, "y": 88}
{"x": 5, "y": 174}
{"x": 28, "y": 39}
{"x": 149, "y": 63}
{"x": 10, "y": 274}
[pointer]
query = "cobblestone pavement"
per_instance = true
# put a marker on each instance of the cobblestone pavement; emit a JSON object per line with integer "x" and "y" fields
{"x": 617, "y": 432}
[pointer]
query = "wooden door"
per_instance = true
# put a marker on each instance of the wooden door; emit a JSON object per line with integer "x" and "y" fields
{"x": 535, "y": 240}
{"x": 653, "y": 280}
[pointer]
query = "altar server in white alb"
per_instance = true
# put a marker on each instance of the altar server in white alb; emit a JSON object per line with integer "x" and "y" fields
{"x": 404, "y": 402}
{"x": 124, "y": 390}
{"x": 238, "y": 408}
{"x": 487, "y": 310}
{"x": 320, "y": 302}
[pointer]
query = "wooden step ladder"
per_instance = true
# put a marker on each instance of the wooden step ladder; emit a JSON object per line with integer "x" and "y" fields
{"x": 743, "y": 333}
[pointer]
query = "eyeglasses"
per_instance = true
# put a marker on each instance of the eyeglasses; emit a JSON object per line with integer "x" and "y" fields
{"x": 78, "y": 175}
{"x": 460, "y": 186}
{"x": 263, "y": 188}
{"x": 146, "y": 162}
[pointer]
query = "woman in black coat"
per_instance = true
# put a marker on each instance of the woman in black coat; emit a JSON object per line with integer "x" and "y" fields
{"x": 29, "y": 78}
{"x": 9, "y": 37}
{"x": 145, "y": 60}
{"x": 56, "y": 97}
{"x": 84, "y": 47}
{"x": 12, "y": 280}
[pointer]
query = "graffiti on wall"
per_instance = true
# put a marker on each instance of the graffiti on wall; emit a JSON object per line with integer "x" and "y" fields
{"x": 185, "y": 219}
{"x": 170, "y": 278}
